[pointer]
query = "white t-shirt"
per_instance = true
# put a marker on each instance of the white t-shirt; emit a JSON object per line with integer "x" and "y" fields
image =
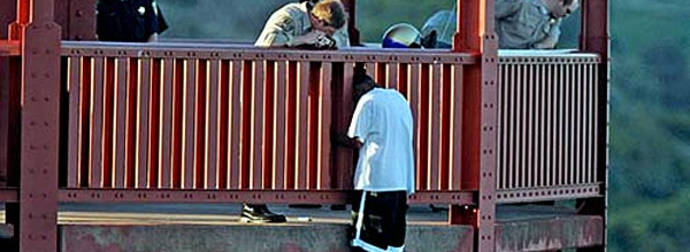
{"x": 383, "y": 122}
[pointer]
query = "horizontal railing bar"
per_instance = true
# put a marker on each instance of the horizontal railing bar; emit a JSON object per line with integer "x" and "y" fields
{"x": 9, "y": 195}
{"x": 10, "y": 48}
{"x": 549, "y": 193}
{"x": 246, "y": 196}
{"x": 573, "y": 58}
{"x": 245, "y": 52}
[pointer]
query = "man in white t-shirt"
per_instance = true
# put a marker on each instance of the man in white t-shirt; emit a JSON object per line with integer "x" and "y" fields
{"x": 382, "y": 129}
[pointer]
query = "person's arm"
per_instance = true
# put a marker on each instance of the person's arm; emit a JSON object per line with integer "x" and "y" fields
{"x": 341, "y": 139}
{"x": 153, "y": 38}
{"x": 551, "y": 39}
{"x": 359, "y": 128}
{"x": 342, "y": 38}
{"x": 278, "y": 32}
{"x": 360, "y": 125}
{"x": 155, "y": 21}
{"x": 506, "y": 8}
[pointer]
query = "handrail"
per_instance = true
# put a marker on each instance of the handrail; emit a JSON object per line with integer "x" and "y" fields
{"x": 249, "y": 52}
{"x": 178, "y": 96}
{"x": 9, "y": 48}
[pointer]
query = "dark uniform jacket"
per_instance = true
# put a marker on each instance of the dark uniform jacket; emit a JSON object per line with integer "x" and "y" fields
{"x": 128, "y": 20}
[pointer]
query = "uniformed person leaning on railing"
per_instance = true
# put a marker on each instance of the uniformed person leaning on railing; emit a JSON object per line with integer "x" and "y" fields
{"x": 307, "y": 25}
{"x": 129, "y": 20}
{"x": 520, "y": 24}
{"x": 310, "y": 24}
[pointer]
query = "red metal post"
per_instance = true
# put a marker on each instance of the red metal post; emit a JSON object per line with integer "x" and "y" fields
{"x": 595, "y": 37}
{"x": 36, "y": 214}
{"x": 7, "y": 15}
{"x": 351, "y": 8}
{"x": 62, "y": 16}
{"x": 81, "y": 20}
{"x": 343, "y": 107}
{"x": 476, "y": 34}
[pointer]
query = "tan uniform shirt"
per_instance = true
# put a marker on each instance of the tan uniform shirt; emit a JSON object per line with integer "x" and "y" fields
{"x": 525, "y": 24}
{"x": 290, "y": 21}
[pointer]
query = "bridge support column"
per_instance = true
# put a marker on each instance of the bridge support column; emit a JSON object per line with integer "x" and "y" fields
{"x": 595, "y": 38}
{"x": 35, "y": 216}
{"x": 475, "y": 34}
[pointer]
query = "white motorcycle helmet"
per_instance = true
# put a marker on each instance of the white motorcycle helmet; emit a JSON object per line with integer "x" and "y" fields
{"x": 402, "y": 35}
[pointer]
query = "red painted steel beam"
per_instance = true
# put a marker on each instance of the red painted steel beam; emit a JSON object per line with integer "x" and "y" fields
{"x": 8, "y": 195}
{"x": 81, "y": 20}
{"x": 165, "y": 50}
{"x": 61, "y": 16}
{"x": 7, "y": 48}
{"x": 245, "y": 196}
{"x": 595, "y": 37}
{"x": 475, "y": 34}
{"x": 8, "y": 14}
{"x": 36, "y": 213}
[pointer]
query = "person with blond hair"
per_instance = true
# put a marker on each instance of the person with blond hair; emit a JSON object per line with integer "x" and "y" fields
{"x": 309, "y": 24}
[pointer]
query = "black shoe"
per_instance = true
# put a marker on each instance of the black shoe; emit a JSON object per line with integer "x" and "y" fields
{"x": 437, "y": 209}
{"x": 259, "y": 214}
{"x": 307, "y": 206}
{"x": 338, "y": 207}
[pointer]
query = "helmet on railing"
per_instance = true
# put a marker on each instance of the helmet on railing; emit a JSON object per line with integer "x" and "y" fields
{"x": 402, "y": 35}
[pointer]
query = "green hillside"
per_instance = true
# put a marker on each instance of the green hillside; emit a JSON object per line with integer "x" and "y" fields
{"x": 650, "y": 101}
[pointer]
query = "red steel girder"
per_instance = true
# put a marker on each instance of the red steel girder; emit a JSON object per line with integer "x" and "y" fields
{"x": 475, "y": 34}
{"x": 36, "y": 214}
{"x": 246, "y": 196}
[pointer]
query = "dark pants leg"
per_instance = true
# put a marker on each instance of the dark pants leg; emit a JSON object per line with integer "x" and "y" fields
{"x": 384, "y": 218}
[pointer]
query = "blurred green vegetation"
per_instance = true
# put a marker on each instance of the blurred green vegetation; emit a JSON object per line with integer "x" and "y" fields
{"x": 650, "y": 99}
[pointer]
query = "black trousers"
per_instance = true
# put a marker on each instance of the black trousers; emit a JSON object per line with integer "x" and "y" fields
{"x": 384, "y": 221}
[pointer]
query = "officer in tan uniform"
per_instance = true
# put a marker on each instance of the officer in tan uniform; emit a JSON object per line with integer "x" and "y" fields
{"x": 531, "y": 24}
{"x": 320, "y": 25}
{"x": 520, "y": 24}
{"x": 310, "y": 24}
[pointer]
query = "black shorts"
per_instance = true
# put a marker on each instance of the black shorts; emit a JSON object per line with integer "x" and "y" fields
{"x": 383, "y": 222}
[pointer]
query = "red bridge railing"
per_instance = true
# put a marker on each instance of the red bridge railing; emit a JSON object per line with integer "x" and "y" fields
{"x": 236, "y": 123}
{"x": 209, "y": 123}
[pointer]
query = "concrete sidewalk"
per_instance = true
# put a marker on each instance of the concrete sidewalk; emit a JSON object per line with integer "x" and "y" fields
{"x": 216, "y": 227}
